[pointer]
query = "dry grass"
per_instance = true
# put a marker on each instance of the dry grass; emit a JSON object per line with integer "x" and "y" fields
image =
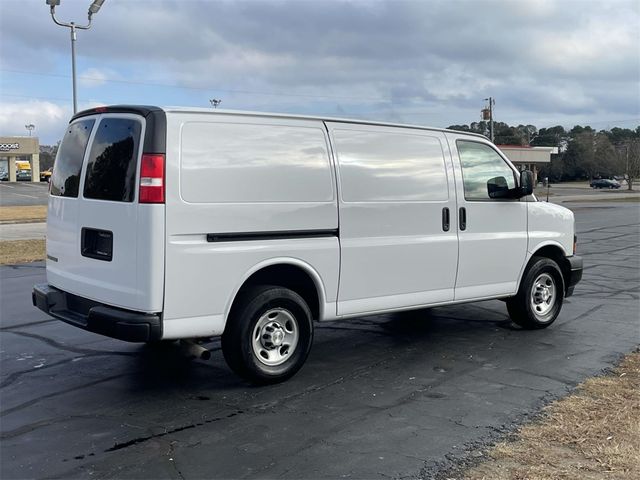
{"x": 591, "y": 434}
{"x": 23, "y": 213}
{"x": 19, "y": 251}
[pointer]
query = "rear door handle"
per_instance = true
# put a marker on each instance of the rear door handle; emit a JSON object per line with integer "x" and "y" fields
{"x": 463, "y": 218}
{"x": 446, "y": 219}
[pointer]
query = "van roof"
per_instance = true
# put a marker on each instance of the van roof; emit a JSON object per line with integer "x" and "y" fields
{"x": 144, "y": 110}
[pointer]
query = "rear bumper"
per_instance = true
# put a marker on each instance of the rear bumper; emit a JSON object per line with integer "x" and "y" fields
{"x": 575, "y": 273}
{"x": 96, "y": 317}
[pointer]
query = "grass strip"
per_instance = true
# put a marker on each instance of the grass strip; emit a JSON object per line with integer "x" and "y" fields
{"x": 591, "y": 434}
{"x": 28, "y": 213}
{"x": 20, "y": 251}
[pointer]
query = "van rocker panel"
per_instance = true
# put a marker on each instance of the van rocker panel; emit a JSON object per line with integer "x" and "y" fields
{"x": 96, "y": 317}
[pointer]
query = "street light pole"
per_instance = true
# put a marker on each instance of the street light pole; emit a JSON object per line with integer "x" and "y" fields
{"x": 93, "y": 8}
{"x": 73, "y": 62}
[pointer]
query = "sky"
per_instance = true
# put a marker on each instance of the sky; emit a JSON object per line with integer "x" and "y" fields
{"x": 426, "y": 62}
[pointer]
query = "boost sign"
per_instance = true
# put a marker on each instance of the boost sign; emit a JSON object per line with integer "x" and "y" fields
{"x": 5, "y": 147}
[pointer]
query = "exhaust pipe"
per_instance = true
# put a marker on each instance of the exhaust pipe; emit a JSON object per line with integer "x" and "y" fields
{"x": 190, "y": 349}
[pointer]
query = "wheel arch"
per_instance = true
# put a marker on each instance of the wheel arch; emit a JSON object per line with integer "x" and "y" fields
{"x": 291, "y": 273}
{"x": 555, "y": 252}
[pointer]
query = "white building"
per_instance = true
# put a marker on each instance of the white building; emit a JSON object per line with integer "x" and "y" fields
{"x": 25, "y": 149}
{"x": 528, "y": 158}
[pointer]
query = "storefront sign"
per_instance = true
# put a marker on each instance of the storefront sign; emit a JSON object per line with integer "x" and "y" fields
{"x": 5, "y": 147}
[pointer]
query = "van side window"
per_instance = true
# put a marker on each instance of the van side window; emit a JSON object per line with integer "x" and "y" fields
{"x": 481, "y": 163}
{"x": 380, "y": 166}
{"x": 66, "y": 174}
{"x": 111, "y": 168}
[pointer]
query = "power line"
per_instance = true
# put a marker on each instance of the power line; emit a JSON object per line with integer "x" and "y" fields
{"x": 203, "y": 89}
{"x": 317, "y": 114}
{"x": 276, "y": 94}
{"x": 32, "y": 97}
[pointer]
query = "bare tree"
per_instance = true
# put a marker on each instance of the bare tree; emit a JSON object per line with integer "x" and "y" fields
{"x": 632, "y": 161}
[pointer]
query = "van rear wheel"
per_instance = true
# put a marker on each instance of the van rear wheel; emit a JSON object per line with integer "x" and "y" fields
{"x": 268, "y": 335}
{"x": 539, "y": 298}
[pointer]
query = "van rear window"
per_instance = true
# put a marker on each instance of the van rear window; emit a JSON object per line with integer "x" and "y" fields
{"x": 66, "y": 174}
{"x": 111, "y": 168}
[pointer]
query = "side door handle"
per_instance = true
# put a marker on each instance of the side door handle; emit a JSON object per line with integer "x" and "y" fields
{"x": 446, "y": 219}
{"x": 463, "y": 218}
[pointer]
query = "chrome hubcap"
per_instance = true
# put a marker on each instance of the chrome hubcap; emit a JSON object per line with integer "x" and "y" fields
{"x": 275, "y": 337}
{"x": 543, "y": 294}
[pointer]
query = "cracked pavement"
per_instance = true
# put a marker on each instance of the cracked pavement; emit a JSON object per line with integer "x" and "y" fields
{"x": 404, "y": 395}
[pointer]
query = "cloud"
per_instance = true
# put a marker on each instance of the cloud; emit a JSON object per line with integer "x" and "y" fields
{"x": 49, "y": 118}
{"x": 95, "y": 77}
{"x": 541, "y": 59}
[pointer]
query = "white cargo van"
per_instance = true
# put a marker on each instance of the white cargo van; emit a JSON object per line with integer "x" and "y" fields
{"x": 173, "y": 223}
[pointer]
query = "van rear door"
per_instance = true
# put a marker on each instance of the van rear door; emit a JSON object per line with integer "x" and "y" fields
{"x": 102, "y": 243}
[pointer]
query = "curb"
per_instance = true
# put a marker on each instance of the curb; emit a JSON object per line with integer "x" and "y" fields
{"x": 13, "y": 222}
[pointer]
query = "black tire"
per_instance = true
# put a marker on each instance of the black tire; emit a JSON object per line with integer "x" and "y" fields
{"x": 540, "y": 295}
{"x": 261, "y": 323}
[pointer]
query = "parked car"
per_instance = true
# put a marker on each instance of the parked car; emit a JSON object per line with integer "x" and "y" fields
{"x": 23, "y": 175}
{"x": 180, "y": 224}
{"x": 4, "y": 176}
{"x": 605, "y": 183}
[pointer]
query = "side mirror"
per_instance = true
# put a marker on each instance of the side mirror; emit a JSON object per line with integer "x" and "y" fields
{"x": 497, "y": 188}
{"x": 526, "y": 182}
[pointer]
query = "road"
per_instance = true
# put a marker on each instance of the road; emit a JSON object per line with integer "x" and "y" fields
{"x": 404, "y": 395}
{"x": 23, "y": 193}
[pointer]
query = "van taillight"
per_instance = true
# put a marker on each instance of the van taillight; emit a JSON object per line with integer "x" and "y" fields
{"x": 151, "y": 178}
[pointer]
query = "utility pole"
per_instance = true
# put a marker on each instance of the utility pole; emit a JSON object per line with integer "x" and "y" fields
{"x": 627, "y": 172}
{"x": 626, "y": 149}
{"x": 487, "y": 114}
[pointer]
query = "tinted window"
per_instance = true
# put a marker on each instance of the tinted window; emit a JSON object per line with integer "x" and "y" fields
{"x": 227, "y": 162}
{"x": 481, "y": 163}
{"x": 379, "y": 166}
{"x": 66, "y": 174}
{"x": 111, "y": 168}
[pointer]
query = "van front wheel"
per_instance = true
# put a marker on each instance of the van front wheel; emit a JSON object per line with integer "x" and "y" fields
{"x": 539, "y": 298}
{"x": 268, "y": 335}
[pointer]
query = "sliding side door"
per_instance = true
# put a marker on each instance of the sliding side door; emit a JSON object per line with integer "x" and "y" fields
{"x": 398, "y": 237}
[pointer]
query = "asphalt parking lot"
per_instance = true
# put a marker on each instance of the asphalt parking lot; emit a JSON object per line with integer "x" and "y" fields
{"x": 23, "y": 193}
{"x": 404, "y": 395}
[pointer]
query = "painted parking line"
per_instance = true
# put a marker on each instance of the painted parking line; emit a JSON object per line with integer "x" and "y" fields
{"x": 25, "y": 195}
